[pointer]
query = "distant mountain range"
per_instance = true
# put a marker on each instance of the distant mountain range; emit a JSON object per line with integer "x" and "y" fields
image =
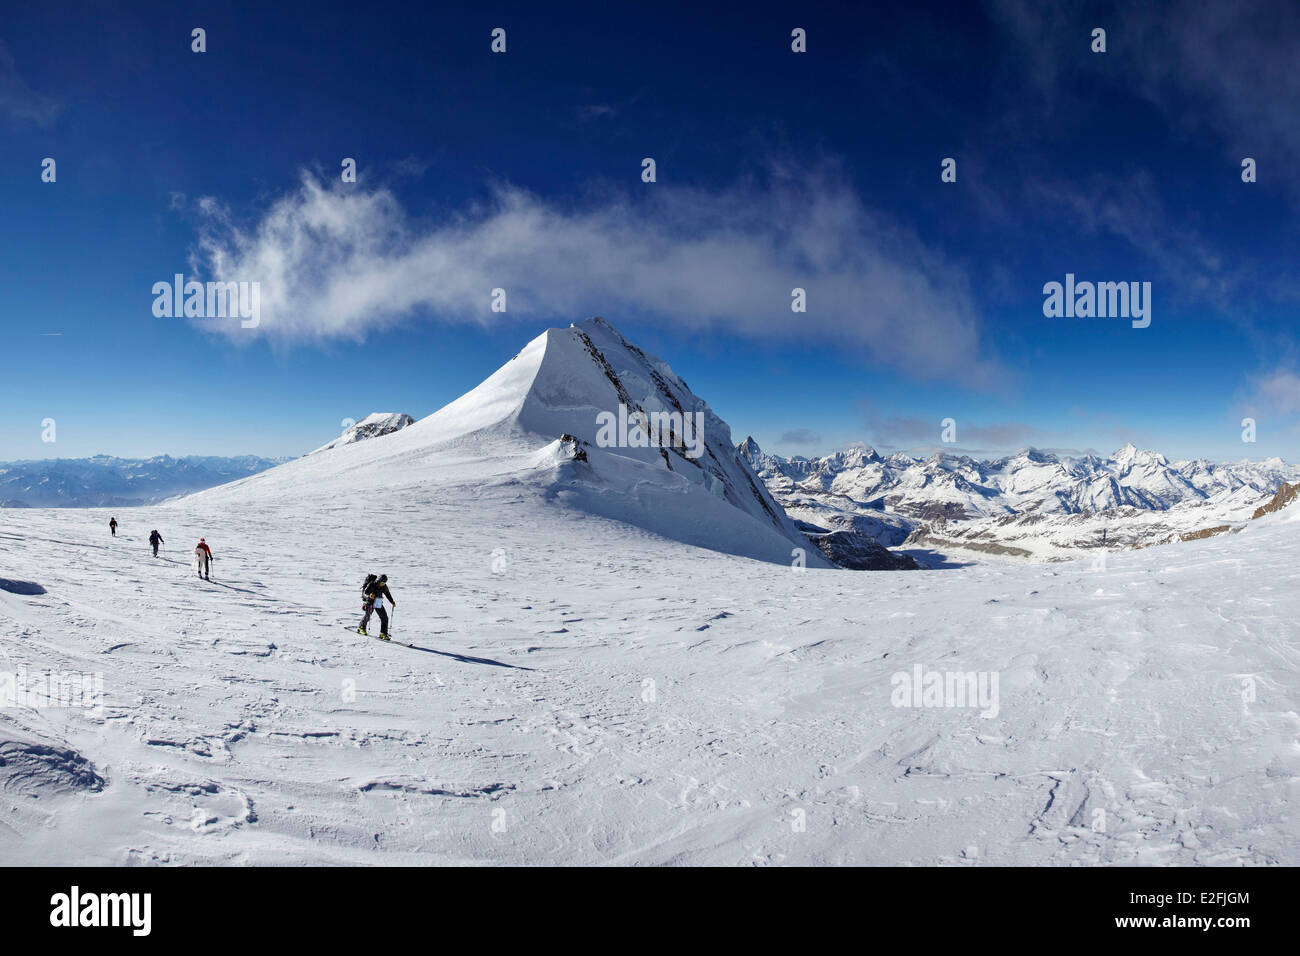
{"x": 107, "y": 482}
{"x": 1027, "y": 504}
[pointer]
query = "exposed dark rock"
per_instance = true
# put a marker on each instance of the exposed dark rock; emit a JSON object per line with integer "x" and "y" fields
{"x": 574, "y": 447}
{"x": 923, "y": 537}
{"x": 857, "y": 552}
{"x": 1285, "y": 495}
{"x": 20, "y": 587}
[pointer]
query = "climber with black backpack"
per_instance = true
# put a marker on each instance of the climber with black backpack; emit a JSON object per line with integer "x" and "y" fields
{"x": 373, "y": 592}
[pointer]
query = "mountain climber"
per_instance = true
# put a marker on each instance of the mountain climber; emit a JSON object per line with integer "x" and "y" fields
{"x": 155, "y": 539}
{"x": 112, "y": 526}
{"x": 373, "y": 592}
{"x": 203, "y": 559}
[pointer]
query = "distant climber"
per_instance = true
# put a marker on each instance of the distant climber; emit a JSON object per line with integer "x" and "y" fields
{"x": 112, "y": 526}
{"x": 373, "y": 592}
{"x": 203, "y": 559}
{"x": 155, "y": 539}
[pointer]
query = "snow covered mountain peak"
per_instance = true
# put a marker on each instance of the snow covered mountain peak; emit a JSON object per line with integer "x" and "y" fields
{"x": 589, "y": 421}
{"x": 1130, "y": 456}
{"x": 595, "y": 385}
{"x": 1035, "y": 456}
{"x": 855, "y": 456}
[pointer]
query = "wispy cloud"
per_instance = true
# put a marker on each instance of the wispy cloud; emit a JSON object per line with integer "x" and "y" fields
{"x": 18, "y": 101}
{"x": 1273, "y": 394}
{"x": 1130, "y": 208}
{"x": 1223, "y": 73}
{"x": 411, "y": 167}
{"x": 891, "y": 431}
{"x": 1226, "y": 68}
{"x": 595, "y": 111}
{"x": 801, "y": 437}
{"x": 1281, "y": 390}
{"x": 339, "y": 261}
{"x": 921, "y": 436}
{"x": 1272, "y": 398}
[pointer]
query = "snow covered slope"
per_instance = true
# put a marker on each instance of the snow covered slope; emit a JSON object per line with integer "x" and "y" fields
{"x": 587, "y": 693}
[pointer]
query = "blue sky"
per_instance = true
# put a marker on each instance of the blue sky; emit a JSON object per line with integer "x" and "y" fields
{"x": 775, "y": 169}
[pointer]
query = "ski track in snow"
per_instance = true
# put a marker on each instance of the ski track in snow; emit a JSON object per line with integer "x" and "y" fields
{"x": 243, "y": 725}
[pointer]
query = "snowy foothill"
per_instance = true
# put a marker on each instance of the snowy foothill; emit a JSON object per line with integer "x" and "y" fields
{"x": 615, "y": 661}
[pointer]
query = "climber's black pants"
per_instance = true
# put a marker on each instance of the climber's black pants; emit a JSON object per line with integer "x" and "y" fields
{"x": 383, "y": 616}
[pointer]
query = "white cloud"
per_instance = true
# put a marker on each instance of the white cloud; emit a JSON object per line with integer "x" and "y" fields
{"x": 339, "y": 261}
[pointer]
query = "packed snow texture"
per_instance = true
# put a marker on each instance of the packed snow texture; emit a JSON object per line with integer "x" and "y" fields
{"x": 592, "y": 683}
